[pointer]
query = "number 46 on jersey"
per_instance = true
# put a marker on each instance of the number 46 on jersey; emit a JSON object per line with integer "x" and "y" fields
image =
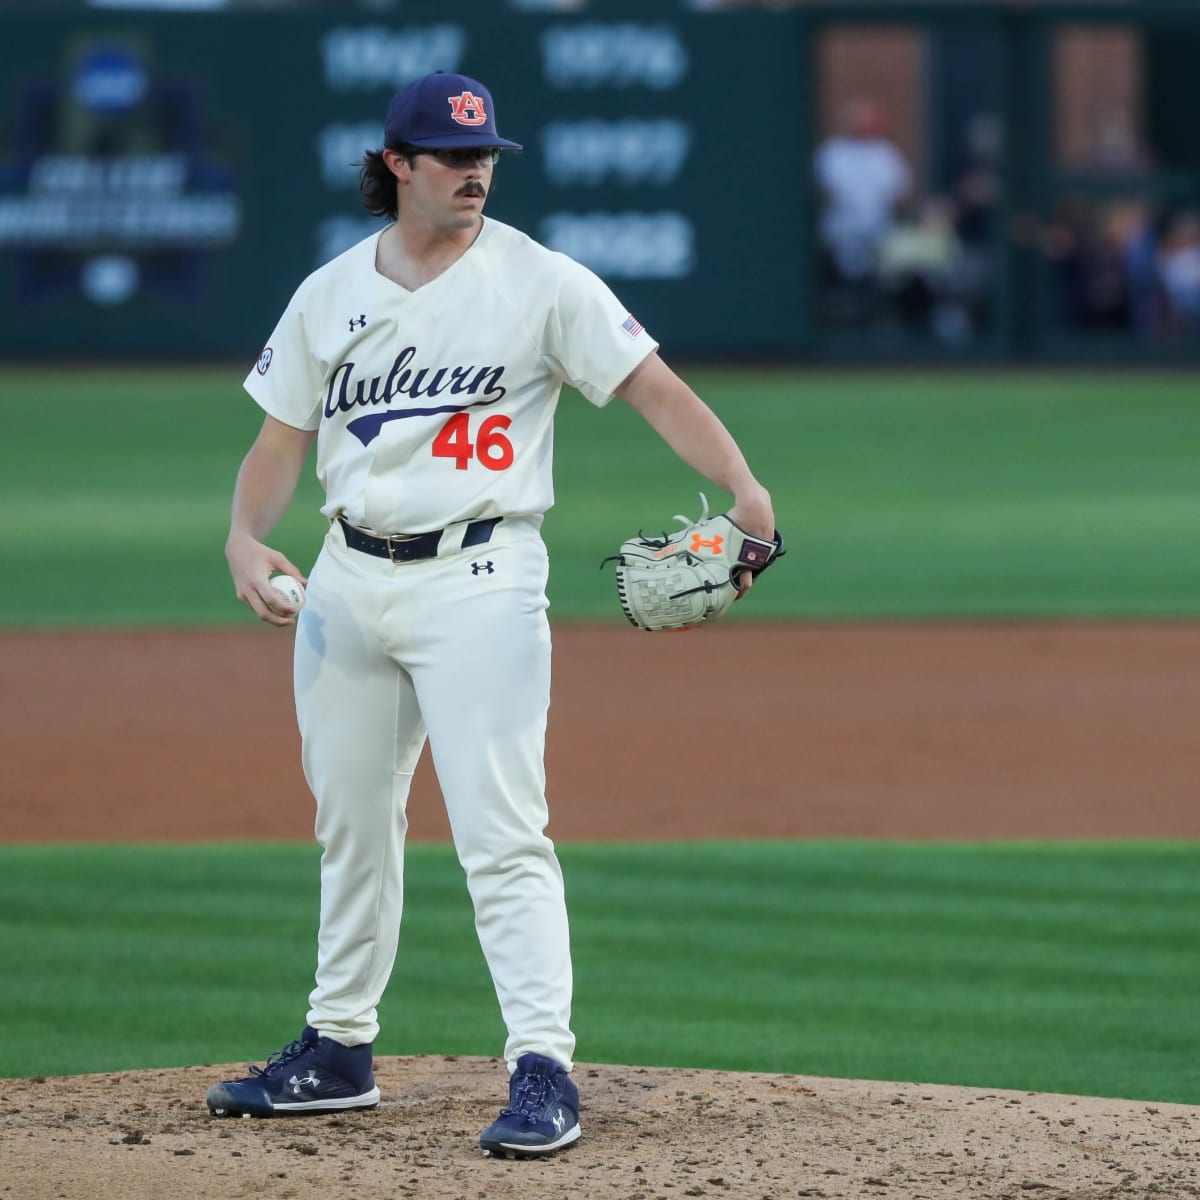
{"x": 491, "y": 449}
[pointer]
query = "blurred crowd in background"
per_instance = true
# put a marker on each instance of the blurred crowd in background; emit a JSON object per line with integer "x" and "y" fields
{"x": 891, "y": 254}
{"x": 1128, "y": 264}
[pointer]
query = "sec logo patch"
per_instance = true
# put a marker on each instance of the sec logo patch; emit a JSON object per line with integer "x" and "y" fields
{"x": 264, "y": 360}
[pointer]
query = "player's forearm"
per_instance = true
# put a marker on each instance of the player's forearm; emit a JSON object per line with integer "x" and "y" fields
{"x": 260, "y": 498}
{"x": 691, "y": 429}
{"x": 267, "y": 482}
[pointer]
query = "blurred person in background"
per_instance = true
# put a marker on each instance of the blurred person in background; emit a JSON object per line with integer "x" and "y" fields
{"x": 978, "y": 191}
{"x": 978, "y": 188}
{"x": 1129, "y": 228}
{"x": 862, "y": 176}
{"x": 1063, "y": 246}
{"x": 921, "y": 270}
{"x": 1115, "y": 149}
{"x": 1102, "y": 257}
{"x": 1179, "y": 270}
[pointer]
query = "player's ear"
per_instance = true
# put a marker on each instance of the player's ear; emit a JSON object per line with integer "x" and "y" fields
{"x": 397, "y": 163}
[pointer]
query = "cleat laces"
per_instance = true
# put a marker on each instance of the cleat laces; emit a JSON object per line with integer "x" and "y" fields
{"x": 282, "y": 1057}
{"x": 529, "y": 1098}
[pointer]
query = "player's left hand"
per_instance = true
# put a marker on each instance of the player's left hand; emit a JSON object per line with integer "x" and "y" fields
{"x": 753, "y": 513}
{"x": 683, "y": 579}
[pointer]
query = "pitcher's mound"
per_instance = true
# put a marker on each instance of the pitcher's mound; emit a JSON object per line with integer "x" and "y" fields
{"x": 648, "y": 1134}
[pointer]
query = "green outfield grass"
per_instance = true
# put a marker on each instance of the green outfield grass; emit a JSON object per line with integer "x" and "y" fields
{"x": 902, "y": 493}
{"x": 1064, "y": 967}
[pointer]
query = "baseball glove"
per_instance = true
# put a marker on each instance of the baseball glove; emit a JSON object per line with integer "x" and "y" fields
{"x": 688, "y": 577}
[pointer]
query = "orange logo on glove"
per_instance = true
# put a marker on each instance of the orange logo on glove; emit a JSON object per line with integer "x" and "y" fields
{"x": 465, "y": 103}
{"x": 714, "y": 544}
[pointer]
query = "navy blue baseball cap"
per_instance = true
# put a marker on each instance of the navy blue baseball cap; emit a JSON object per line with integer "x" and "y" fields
{"x": 442, "y": 111}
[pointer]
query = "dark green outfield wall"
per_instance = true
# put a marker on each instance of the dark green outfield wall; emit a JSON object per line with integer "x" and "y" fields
{"x": 166, "y": 179}
{"x": 235, "y": 134}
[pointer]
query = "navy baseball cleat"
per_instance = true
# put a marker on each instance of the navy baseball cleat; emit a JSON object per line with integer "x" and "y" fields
{"x": 312, "y": 1075}
{"x": 542, "y": 1114}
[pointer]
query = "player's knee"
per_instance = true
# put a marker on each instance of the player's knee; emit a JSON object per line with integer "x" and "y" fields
{"x": 513, "y": 859}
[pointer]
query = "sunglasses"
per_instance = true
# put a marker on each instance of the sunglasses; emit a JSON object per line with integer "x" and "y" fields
{"x": 468, "y": 156}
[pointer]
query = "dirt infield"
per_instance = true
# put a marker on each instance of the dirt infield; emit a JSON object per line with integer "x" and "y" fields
{"x": 952, "y": 732}
{"x": 911, "y": 731}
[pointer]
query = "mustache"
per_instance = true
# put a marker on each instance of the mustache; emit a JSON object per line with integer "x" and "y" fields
{"x": 472, "y": 188}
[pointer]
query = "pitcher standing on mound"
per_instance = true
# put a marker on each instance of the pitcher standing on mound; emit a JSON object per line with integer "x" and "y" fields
{"x": 426, "y": 362}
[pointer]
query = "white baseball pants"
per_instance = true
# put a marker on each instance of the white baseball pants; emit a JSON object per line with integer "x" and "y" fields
{"x": 457, "y": 649}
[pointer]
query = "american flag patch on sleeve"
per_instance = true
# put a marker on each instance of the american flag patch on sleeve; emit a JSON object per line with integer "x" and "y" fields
{"x": 631, "y": 325}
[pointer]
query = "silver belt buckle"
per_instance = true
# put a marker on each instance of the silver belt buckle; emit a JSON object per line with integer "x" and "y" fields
{"x": 398, "y": 537}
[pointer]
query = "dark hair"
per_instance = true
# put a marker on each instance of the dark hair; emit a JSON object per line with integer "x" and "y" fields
{"x": 378, "y": 185}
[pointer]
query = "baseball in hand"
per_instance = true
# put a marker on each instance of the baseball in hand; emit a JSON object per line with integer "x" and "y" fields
{"x": 290, "y": 589}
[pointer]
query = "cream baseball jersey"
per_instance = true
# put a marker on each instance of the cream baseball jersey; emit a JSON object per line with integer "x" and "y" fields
{"x": 437, "y": 405}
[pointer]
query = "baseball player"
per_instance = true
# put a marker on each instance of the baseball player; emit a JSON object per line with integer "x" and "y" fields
{"x": 426, "y": 363}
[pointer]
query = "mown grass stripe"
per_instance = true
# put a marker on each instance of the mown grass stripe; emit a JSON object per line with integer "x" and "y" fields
{"x": 1039, "y": 966}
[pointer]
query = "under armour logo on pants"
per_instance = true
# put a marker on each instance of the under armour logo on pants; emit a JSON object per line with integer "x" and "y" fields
{"x": 479, "y": 568}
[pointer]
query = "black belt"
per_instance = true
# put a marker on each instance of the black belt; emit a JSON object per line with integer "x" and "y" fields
{"x": 409, "y": 549}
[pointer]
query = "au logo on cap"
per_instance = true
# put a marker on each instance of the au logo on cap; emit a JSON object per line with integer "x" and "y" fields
{"x": 466, "y": 103}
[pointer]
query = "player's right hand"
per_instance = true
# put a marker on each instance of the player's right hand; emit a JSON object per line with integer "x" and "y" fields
{"x": 252, "y": 564}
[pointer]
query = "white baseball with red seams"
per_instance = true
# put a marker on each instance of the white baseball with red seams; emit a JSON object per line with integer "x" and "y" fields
{"x": 292, "y": 590}
{"x": 434, "y": 409}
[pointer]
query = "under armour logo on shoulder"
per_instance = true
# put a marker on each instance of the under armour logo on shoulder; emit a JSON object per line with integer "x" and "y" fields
{"x": 358, "y": 323}
{"x": 479, "y": 568}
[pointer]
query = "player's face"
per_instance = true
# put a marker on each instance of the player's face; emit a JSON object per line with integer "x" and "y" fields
{"x": 447, "y": 188}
